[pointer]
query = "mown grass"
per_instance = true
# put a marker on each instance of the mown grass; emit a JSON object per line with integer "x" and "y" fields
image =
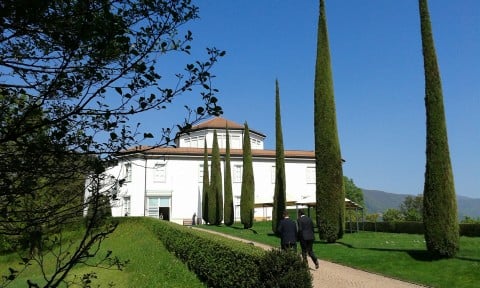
{"x": 401, "y": 256}
{"x": 150, "y": 264}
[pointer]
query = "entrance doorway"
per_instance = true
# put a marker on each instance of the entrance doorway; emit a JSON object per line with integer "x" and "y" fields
{"x": 164, "y": 213}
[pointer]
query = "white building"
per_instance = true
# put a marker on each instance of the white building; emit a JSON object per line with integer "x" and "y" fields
{"x": 168, "y": 181}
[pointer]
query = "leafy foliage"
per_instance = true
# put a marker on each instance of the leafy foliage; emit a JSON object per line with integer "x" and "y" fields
{"x": 439, "y": 202}
{"x": 393, "y": 215}
{"x": 328, "y": 162}
{"x": 279, "y": 196}
{"x": 412, "y": 208}
{"x": 284, "y": 269}
{"x": 72, "y": 74}
{"x": 247, "y": 197}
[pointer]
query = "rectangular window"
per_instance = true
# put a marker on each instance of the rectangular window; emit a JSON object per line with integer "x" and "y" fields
{"x": 273, "y": 173}
{"x": 155, "y": 202}
{"x": 310, "y": 175}
{"x": 126, "y": 206}
{"x": 201, "y": 142}
{"x": 200, "y": 173}
{"x": 160, "y": 173}
{"x": 222, "y": 141}
{"x": 237, "y": 173}
{"x": 128, "y": 172}
{"x": 235, "y": 142}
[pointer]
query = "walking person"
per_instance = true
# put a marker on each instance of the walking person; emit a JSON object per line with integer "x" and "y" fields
{"x": 288, "y": 232}
{"x": 306, "y": 237}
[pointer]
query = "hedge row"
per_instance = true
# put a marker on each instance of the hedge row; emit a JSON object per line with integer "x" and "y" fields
{"x": 470, "y": 230}
{"x": 222, "y": 262}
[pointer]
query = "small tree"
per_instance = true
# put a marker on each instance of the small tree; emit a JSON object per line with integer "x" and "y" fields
{"x": 439, "y": 201}
{"x": 206, "y": 185}
{"x": 215, "y": 199}
{"x": 412, "y": 208}
{"x": 229, "y": 216}
{"x": 280, "y": 194}
{"x": 86, "y": 67}
{"x": 247, "y": 200}
{"x": 330, "y": 193}
{"x": 392, "y": 215}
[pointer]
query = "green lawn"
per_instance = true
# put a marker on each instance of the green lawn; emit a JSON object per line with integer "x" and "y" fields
{"x": 401, "y": 256}
{"x": 151, "y": 265}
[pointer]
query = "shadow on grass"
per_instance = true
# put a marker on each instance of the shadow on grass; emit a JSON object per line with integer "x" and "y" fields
{"x": 418, "y": 255}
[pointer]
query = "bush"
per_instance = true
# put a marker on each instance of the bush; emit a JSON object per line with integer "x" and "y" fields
{"x": 222, "y": 262}
{"x": 470, "y": 230}
{"x": 282, "y": 269}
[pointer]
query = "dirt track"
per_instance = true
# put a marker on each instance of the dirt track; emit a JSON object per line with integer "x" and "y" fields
{"x": 338, "y": 276}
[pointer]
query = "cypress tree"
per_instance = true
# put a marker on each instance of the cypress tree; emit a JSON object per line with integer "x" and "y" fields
{"x": 215, "y": 198}
{"x": 439, "y": 200}
{"x": 228, "y": 204}
{"x": 279, "y": 196}
{"x": 247, "y": 198}
{"x": 330, "y": 195}
{"x": 206, "y": 185}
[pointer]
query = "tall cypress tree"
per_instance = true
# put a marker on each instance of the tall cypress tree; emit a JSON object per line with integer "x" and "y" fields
{"x": 330, "y": 195}
{"x": 227, "y": 182}
{"x": 280, "y": 194}
{"x": 215, "y": 198}
{"x": 247, "y": 198}
{"x": 439, "y": 200}
{"x": 206, "y": 185}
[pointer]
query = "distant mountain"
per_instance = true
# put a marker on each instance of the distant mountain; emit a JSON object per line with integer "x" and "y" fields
{"x": 378, "y": 201}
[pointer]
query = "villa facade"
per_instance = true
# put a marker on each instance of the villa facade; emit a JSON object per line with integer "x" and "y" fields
{"x": 167, "y": 182}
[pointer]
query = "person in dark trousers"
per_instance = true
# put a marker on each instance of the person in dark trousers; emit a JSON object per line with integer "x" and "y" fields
{"x": 288, "y": 232}
{"x": 306, "y": 236}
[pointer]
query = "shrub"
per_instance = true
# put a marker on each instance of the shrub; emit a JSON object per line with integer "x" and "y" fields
{"x": 284, "y": 269}
{"x": 223, "y": 262}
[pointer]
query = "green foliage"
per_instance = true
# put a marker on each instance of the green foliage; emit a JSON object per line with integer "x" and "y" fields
{"x": 470, "y": 229}
{"x": 247, "y": 197}
{"x": 470, "y": 220}
{"x": 285, "y": 270}
{"x": 328, "y": 162}
{"x": 412, "y": 208}
{"x": 99, "y": 210}
{"x": 374, "y": 217}
{"x": 440, "y": 204}
{"x": 206, "y": 185}
{"x": 212, "y": 258}
{"x": 279, "y": 196}
{"x": 228, "y": 218}
{"x": 59, "y": 62}
{"x": 215, "y": 198}
{"x": 353, "y": 192}
{"x": 144, "y": 269}
{"x": 393, "y": 215}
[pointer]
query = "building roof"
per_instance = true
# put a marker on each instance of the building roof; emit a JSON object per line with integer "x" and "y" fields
{"x": 220, "y": 123}
{"x": 199, "y": 152}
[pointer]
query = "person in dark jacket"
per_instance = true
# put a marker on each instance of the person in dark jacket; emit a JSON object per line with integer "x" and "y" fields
{"x": 306, "y": 237}
{"x": 288, "y": 232}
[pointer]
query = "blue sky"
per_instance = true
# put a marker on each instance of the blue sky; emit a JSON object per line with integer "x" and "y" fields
{"x": 378, "y": 76}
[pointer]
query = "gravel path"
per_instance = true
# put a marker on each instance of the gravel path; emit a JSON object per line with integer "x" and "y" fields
{"x": 338, "y": 276}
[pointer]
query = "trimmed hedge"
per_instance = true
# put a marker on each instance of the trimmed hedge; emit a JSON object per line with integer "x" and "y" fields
{"x": 223, "y": 262}
{"x": 470, "y": 230}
